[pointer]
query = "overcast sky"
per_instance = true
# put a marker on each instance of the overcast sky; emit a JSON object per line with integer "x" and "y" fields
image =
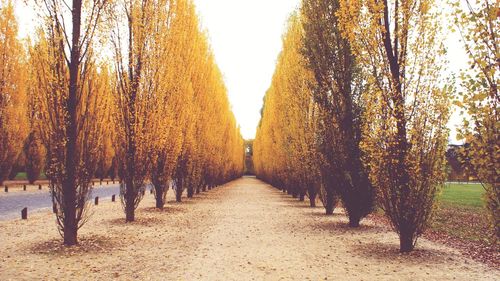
{"x": 246, "y": 38}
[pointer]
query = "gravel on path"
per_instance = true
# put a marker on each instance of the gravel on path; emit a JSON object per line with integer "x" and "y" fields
{"x": 245, "y": 230}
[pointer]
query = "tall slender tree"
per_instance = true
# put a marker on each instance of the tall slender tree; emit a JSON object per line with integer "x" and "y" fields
{"x": 13, "y": 99}
{"x": 172, "y": 78}
{"x": 134, "y": 45}
{"x": 337, "y": 94}
{"x": 33, "y": 147}
{"x": 285, "y": 153}
{"x": 407, "y": 106}
{"x": 69, "y": 105}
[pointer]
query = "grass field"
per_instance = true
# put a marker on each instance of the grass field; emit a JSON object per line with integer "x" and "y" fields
{"x": 461, "y": 213}
{"x": 462, "y": 194}
{"x": 22, "y": 176}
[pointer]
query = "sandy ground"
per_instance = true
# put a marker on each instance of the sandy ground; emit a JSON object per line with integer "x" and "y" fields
{"x": 245, "y": 230}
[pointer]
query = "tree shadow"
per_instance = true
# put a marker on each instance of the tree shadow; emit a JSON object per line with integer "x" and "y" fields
{"x": 322, "y": 214}
{"x": 139, "y": 221}
{"x": 303, "y": 205}
{"x": 87, "y": 244}
{"x": 390, "y": 252}
{"x": 185, "y": 201}
{"x": 343, "y": 227}
{"x": 166, "y": 209}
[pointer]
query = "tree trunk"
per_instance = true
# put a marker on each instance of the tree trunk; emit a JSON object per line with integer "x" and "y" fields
{"x": 70, "y": 224}
{"x": 129, "y": 197}
{"x": 178, "y": 196}
{"x": 69, "y": 184}
{"x": 330, "y": 202}
{"x": 129, "y": 211}
{"x": 354, "y": 220}
{"x": 302, "y": 196}
{"x": 312, "y": 201}
{"x": 204, "y": 188}
{"x": 190, "y": 192}
{"x": 405, "y": 242}
{"x": 159, "y": 198}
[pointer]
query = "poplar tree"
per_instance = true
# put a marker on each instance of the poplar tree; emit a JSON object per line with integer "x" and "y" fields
{"x": 397, "y": 42}
{"x": 336, "y": 93}
{"x": 69, "y": 105}
{"x": 13, "y": 98}
{"x": 136, "y": 46}
{"x": 284, "y": 147}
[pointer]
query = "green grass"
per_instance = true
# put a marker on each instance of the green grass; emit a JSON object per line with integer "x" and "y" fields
{"x": 461, "y": 214}
{"x": 22, "y": 176}
{"x": 462, "y": 195}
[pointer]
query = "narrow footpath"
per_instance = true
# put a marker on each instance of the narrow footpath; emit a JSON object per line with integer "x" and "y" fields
{"x": 245, "y": 230}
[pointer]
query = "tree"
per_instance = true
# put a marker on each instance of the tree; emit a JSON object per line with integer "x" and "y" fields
{"x": 69, "y": 105}
{"x": 34, "y": 153}
{"x": 13, "y": 98}
{"x": 173, "y": 80}
{"x": 34, "y": 149}
{"x": 139, "y": 48}
{"x": 192, "y": 59}
{"x": 106, "y": 153}
{"x": 337, "y": 94}
{"x": 479, "y": 25}
{"x": 249, "y": 170}
{"x": 212, "y": 148}
{"x": 407, "y": 108}
{"x": 458, "y": 162}
{"x": 284, "y": 147}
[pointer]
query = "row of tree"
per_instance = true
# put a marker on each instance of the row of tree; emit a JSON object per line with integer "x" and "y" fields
{"x": 134, "y": 81}
{"x": 358, "y": 108}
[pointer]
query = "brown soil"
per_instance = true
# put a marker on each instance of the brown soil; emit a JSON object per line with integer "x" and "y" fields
{"x": 245, "y": 230}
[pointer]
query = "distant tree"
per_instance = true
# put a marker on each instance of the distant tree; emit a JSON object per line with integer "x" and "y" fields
{"x": 458, "y": 162}
{"x": 337, "y": 93}
{"x": 113, "y": 169}
{"x": 18, "y": 166}
{"x": 34, "y": 156}
{"x": 13, "y": 99}
{"x": 284, "y": 147}
{"x": 479, "y": 25}
{"x": 249, "y": 169}
{"x": 406, "y": 105}
{"x": 106, "y": 149}
{"x": 34, "y": 150}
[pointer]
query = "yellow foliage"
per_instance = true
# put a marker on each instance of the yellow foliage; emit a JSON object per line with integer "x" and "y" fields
{"x": 479, "y": 25}
{"x": 407, "y": 108}
{"x": 13, "y": 95}
{"x": 284, "y": 153}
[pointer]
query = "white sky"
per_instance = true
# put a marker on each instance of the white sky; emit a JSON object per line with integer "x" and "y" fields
{"x": 246, "y": 38}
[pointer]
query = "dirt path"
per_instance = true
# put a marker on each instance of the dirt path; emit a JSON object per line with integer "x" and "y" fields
{"x": 245, "y": 230}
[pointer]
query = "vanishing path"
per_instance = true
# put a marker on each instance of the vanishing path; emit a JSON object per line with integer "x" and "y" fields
{"x": 263, "y": 234}
{"x": 245, "y": 230}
